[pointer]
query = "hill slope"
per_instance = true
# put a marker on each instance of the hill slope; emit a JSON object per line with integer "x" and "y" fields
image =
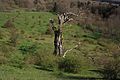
{"x": 29, "y": 41}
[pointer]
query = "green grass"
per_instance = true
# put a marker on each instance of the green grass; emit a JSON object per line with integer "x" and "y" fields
{"x": 12, "y": 73}
{"x": 31, "y": 73}
{"x": 30, "y": 27}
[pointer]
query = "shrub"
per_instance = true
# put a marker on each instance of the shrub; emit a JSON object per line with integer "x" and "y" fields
{"x": 28, "y": 47}
{"x": 70, "y": 64}
{"x": 96, "y": 35}
{"x": 46, "y": 61}
{"x": 110, "y": 69}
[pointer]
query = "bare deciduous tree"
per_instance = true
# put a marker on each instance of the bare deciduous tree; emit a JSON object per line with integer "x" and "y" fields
{"x": 62, "y": 19}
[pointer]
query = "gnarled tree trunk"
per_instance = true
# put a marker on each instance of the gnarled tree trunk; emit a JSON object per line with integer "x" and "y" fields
{"x": 58, "y": 43}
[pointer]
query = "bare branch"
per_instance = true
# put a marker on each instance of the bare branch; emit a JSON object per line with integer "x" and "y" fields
{"x": 71, "y": 14}
{"x": 52, "y": 24}
{"x": 68, "y": 20}
{"x": 71, "y": 49}
{"x": 65, "y": 17}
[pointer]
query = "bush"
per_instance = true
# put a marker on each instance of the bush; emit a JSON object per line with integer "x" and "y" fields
{"x": 50, "y": 62}
{"x": 70, "y": 64}
{"x": 46, "y": 61}
{"x": 96, "y": 35}
{"x": 28, "y": 47}
{"x": 110, "y": 69}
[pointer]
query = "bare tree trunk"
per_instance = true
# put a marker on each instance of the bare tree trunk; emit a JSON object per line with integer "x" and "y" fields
{"x": 58, "y": 43}
{"x": 58, "y": 47}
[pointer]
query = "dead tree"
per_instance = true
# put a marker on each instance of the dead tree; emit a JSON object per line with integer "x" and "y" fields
{"x": 58, "y": 36}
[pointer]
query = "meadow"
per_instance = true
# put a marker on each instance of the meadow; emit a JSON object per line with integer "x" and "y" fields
{"x": 26, "y": 48}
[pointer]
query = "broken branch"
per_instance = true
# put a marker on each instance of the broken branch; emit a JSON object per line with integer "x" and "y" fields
{"x": 71, "y": 49}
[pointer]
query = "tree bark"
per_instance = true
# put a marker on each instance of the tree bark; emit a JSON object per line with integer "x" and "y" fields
{"x": 58, "y": 41}
{"x": 58, "y": 47}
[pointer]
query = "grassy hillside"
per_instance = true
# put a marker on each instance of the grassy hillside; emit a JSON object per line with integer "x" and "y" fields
{"x": 28, "y": 43}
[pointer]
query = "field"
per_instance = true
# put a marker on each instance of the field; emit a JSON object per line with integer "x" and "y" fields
{"x": 30, "y": 36}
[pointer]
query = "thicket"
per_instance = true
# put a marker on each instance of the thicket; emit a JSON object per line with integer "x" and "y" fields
{"x": 50, "y": 62}
{"x": 109, "y": 66}
{"x": 70, "y": 64}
